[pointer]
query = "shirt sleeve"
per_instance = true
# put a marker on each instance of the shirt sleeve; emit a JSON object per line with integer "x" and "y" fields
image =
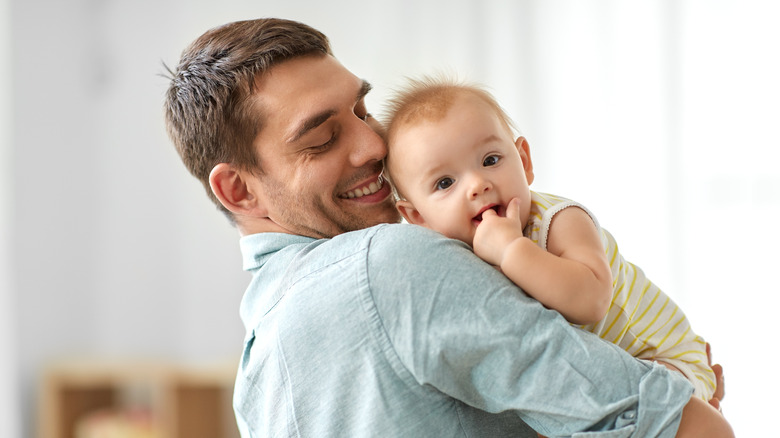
{"x": 460, "y": 326}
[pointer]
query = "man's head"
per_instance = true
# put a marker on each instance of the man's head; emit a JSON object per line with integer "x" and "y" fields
{"x": 277, "y": 130}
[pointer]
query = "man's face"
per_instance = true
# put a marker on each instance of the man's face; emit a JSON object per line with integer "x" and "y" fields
{"x": 320, "y": 157}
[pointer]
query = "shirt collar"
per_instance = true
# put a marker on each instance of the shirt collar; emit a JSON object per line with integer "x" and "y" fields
{"x": 256, "y": 249}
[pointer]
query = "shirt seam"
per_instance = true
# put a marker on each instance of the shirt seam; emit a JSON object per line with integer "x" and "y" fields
{"x": 382, "y": 337}
{"x": 295, "y": 279}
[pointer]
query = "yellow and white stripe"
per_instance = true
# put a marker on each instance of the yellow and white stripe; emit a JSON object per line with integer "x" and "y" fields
{"x": 641, "y": 319}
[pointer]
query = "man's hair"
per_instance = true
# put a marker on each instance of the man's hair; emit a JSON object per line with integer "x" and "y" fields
{"x": 210, "y": 114}
{"x": 427, "y": 100}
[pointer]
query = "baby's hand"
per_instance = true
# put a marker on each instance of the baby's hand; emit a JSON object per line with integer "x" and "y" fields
{"x": 495, "y": 233}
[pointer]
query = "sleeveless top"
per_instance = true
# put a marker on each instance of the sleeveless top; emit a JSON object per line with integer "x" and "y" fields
{"x": 641, "y": 319}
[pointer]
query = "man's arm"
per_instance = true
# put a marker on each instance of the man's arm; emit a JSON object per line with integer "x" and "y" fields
{"x": 463, "y": 328}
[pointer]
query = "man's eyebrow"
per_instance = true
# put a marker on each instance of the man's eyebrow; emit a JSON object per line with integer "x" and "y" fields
{"x": 320, "y": 118}
{"x": 311, "y": 123}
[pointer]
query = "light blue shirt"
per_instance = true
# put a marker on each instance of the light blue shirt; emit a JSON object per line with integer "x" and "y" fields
{"x": 396, "y": 331}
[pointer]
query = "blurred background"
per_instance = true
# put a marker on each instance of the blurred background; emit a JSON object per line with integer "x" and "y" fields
{"x": 661, "y": 116}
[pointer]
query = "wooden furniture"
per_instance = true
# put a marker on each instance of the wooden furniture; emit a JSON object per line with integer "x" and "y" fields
{"x": 184, "y": 400}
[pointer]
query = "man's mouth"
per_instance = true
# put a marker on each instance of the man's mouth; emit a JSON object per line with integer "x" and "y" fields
{"x": 366, "y": 190}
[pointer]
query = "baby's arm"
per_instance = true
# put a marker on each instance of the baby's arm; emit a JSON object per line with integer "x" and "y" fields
{"x": 573, "y": 276}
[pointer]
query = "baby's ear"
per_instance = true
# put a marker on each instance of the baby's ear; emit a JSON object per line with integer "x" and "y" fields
{"x": 525, "y": 154}
{"x": 409, "y": 213}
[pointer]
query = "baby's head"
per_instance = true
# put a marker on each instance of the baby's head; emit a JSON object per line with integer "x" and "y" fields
{"x": 452, "y": 154}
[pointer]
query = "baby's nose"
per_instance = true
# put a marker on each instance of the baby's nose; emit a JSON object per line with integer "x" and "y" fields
{"x": 479, "y": 186}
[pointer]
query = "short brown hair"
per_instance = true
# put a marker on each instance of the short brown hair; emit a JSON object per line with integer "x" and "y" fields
{"x": 209, "y": 113}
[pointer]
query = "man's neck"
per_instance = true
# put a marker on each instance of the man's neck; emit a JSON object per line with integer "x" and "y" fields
{"x": 249, "y": 225}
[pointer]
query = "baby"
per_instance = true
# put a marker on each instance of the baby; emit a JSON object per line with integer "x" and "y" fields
{"x": 458, "y": 169}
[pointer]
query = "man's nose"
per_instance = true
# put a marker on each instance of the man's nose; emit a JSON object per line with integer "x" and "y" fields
{"x": 368, "y": 146}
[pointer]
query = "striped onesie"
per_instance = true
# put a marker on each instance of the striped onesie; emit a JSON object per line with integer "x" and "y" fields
{"x": 641, "y": 319}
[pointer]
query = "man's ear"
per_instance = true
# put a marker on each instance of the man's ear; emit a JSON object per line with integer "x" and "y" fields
{"x": 409, "y": 213}
{"x": 525, "y": 154}
{"x": 231, "y": 187}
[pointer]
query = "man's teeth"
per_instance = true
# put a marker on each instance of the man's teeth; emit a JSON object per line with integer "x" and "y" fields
{"x": 371, "y": 188}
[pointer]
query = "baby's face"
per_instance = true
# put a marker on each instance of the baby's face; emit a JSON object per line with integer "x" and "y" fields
{"x": 453, "y": 169}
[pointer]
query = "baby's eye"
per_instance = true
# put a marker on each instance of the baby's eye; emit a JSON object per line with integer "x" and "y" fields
{"x": 490, "y": 160}
{"x": 444, "y": 183}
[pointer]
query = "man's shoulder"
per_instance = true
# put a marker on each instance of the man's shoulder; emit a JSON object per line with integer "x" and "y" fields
{"x": 408, "y": 238}
{"x": 404, "y": 230}
{"x": 383, "y": 238}
{"x": 417, "y": 252}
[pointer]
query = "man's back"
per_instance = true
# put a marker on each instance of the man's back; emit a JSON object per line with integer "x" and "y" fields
{"x": 372, "y": 334}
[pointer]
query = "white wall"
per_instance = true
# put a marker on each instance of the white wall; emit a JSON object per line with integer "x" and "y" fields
{"x": 116, "y": 250}
{"x": 9, "y": 406}
{"x": 659, "y": 115}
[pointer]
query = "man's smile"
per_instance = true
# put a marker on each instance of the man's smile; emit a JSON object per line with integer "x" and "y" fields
{"x": 366, "y": 189}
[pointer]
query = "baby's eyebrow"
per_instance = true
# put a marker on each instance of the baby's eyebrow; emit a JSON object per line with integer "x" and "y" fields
{"x": 433, "y": 173}
{"x": 489, "y": 138}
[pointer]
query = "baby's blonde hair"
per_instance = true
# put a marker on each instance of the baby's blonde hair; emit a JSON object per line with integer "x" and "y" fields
{"x": 429, "y": 98}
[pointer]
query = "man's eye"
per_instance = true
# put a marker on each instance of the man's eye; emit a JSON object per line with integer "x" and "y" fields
{"x": 491, "y": 160}
{"x": 444, "y": 183}
{"x": 322, "y": 147}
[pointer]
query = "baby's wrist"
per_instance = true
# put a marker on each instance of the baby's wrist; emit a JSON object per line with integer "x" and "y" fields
{"x": 512, "y": 251}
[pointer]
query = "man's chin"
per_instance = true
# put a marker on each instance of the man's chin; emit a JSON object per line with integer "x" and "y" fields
{"x": 390, "y": 214}
{"x": 391, "y": 217}
{"x": 384, "y": 215}
{"x": 374, "y": 209}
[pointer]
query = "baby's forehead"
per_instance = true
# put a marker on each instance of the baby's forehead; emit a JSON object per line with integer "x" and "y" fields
{"x": 432, "y": 107}
{"x": 436, "y": 105}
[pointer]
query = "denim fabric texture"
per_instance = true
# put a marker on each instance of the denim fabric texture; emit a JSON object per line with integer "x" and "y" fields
{"x": 396, "y": 331}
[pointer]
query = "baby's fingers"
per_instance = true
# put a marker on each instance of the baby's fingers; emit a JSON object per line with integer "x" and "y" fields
{"x": 513, "y": 209}
{"x": 488, "y": 213}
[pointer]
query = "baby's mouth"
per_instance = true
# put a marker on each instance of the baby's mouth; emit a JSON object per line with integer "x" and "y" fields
{"x": 370, "y": 189}
{"x": 478, "y": 218}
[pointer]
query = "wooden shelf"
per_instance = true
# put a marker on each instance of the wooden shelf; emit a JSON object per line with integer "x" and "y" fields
{"x": 184, "y": 401}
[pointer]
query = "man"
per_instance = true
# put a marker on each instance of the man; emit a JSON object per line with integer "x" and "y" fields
{"x": 356, "y": 325}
